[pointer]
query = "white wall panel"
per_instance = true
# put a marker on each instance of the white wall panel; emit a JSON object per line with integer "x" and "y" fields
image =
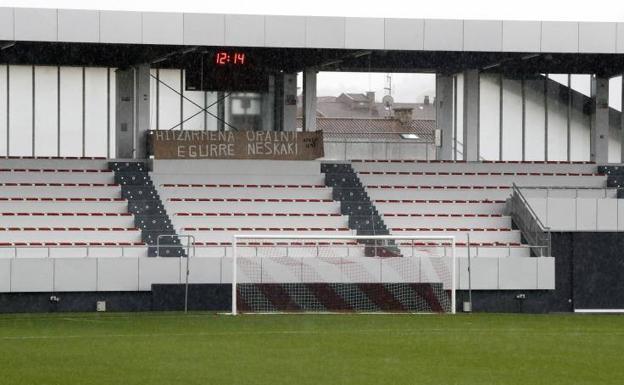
{"x": 607, "y": 214}
{"x": 202, "y": 270}
{"x": 118, "y": 274}
{"x": 3, "y": 109}
{"x": 20, "y": 112}
{"x": 620, "y": 214}
{"x": 406, "y": 34}
{"x": 586, "y": 214}
{"x": 619, "y": 40}
{"x": 535, "y": 119}
{"x": 285, "y": 31}
{"x": 36, "y": 24}
{"x": 163, "y": 28}
{"x": 120, "y": 27}
{"x": 5, "y": 275}
{"x": 546, "y": 273}
{"x": 515, "y": 273}
{"x": 560, "y": 36}
{"x": 579, "y": 122}
{"x": 78, "y": 25}
{"x": 244, "y": 30}
{"x": 6, "y": 24}
{"x": 561, "y": 214}
{"x": 46, "y": 111}
{"x": 203, "y": 29}
{"x": 484, "y": 273}
{"x": 95, "y": 112}
{"x": 597, "y": 37}
{"x": 557, "y": 123}
{"x": 325, "y": 32}
{"x": 363, "y": 32}
{"x": 71, "y": 111}
{"x": 512, "y": 120}
{"x": 489, "y": 116}
{"x": 169, "y": 106}
{"x": 483, "y": 35}
{"x": 32, "y": 275}
{"x": 158, "y": 270}
{"x": 75, "y": 274}
{"x": 444, "y": 35}
{"x": 522, "y": 36}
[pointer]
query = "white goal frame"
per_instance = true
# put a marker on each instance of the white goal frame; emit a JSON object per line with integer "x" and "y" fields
{"x": 238, "y": 237}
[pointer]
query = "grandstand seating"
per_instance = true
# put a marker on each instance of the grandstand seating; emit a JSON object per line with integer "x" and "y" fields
{"x": 259, "y": 197}
{"x": 63, "y": 203}
{"x": 459, "y": 198}
{"x": 76, "y": 202}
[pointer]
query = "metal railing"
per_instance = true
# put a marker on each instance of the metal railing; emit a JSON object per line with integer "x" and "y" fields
{"x": 377, "y": 145}
{"x": 532, "y": 228}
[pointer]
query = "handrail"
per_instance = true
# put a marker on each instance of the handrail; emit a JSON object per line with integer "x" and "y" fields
{"x": 528, "y": 222}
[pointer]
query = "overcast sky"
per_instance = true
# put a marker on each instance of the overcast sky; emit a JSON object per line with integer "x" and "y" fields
{"x": 406, "y": 87}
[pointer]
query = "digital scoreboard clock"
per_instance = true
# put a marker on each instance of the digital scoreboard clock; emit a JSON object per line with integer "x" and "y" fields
{"x": 226, "y": 70}
{"x": 226, "y": 58}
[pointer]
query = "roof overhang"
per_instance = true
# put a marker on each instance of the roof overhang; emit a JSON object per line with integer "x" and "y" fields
{"x": 119, "y": 38}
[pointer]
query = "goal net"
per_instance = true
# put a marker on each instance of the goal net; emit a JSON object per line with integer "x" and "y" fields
{"x": 308, "y": 273}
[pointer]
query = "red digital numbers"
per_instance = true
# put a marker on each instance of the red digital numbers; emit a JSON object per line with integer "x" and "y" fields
{"x": 239, "y": 58}
{"x": 224, "y": 58}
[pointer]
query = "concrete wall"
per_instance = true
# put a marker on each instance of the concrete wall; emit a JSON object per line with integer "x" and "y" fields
{"x": 138, "y": 274}
{"x": 580, "y": 214}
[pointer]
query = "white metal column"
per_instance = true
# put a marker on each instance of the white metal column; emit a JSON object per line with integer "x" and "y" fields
{"x": 471, "y": 115}
{"x": 309, "y": 99}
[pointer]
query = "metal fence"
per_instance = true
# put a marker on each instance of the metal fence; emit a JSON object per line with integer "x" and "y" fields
{"x": 533, "y": 230}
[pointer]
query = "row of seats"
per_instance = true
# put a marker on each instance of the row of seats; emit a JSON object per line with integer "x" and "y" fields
{"x": 466, "y": 199}
{"x": 65, "y": 204}
{"x": 221, "y": 199}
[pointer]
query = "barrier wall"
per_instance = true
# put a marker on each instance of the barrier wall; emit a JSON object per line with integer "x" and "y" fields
{"x": 138, "y": 274}
{"x": 580, "y": 214}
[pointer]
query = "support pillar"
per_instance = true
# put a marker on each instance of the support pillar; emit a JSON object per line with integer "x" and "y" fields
{"x": 132, "y": 111}
{"x": 309, "y": 99}
{"x": 289, "y": 117}
{"x": 599, "y": 137}
{"x": 471, "y": 115}
{"x": 268, "y": 108}
{"x": 444, "y": 115}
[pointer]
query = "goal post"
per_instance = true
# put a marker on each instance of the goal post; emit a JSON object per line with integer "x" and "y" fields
{"x": 343, "y": 273}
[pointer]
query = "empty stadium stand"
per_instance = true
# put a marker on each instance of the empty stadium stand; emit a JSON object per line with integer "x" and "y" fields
{"x": 461, "y": 199}
{"x": 64, "y": 207}
{"x": 213, "y": 201}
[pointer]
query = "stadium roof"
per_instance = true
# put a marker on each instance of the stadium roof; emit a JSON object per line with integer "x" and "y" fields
{"x": 116, "y": 38}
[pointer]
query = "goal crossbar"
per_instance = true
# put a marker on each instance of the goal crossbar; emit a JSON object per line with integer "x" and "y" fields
{"x": 238, "y": 237}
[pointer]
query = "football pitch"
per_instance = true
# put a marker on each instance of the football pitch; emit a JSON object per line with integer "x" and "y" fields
{"x": 207, "y": 348}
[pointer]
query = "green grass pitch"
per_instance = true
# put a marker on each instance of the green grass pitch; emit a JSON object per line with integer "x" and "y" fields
{"x": 203, "y": 348}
